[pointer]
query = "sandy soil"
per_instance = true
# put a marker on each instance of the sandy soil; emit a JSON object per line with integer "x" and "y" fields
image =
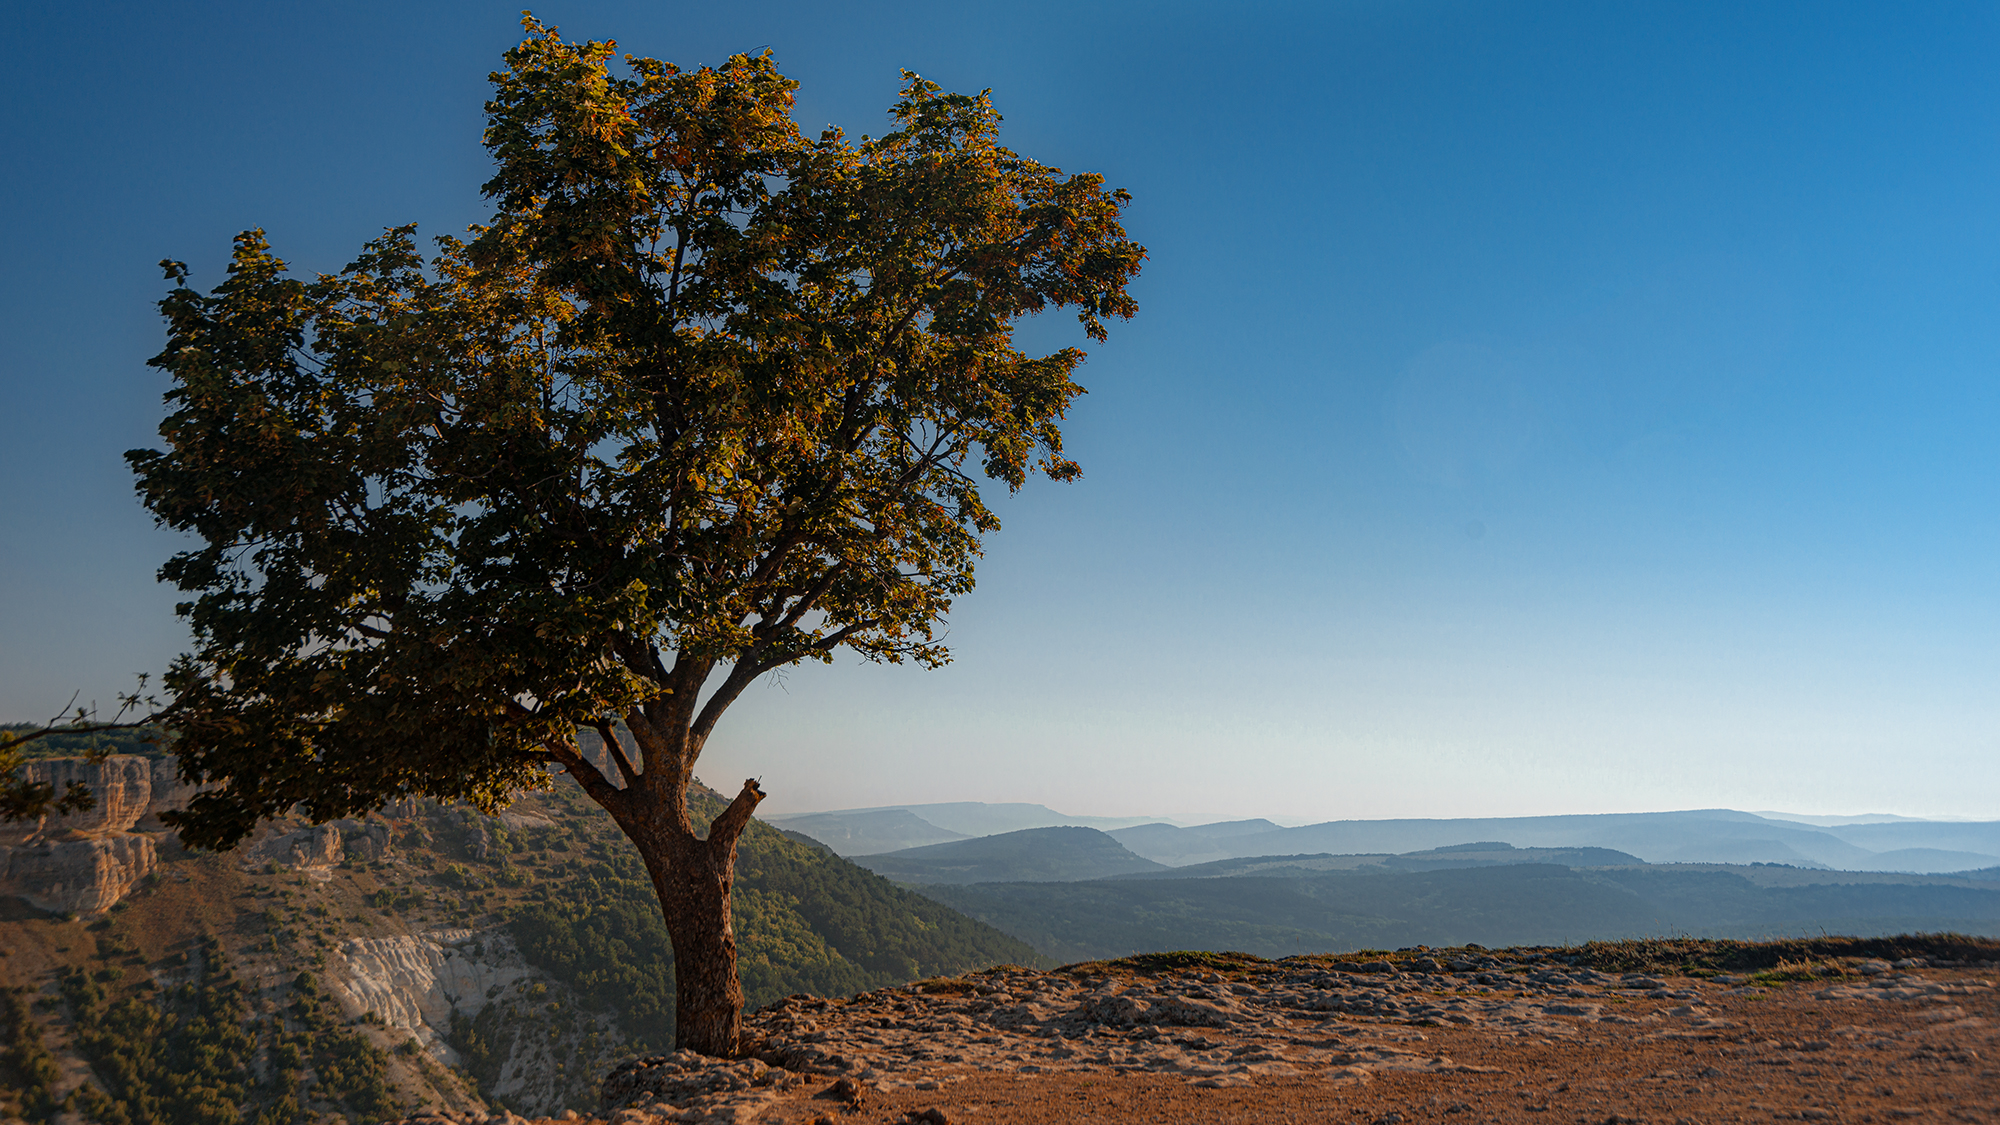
{"x": 1297, "y": 1041}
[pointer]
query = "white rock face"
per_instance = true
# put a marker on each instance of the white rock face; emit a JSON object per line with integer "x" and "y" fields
{"x": 122, "y": 786}
{"x": 417, "y": 982}
{"x": 86, "y": 861}
{"x": 84, "y": 875}
{"x": 517, "y": 819}
{"x": 170, "y": 794}
{"x": 318, "y": 846}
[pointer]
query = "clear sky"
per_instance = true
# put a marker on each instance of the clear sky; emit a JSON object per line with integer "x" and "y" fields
{"x": 1534, "y": 408}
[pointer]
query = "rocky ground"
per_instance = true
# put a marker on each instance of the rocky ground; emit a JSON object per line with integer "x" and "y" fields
{"x": 1481, "y": 1037}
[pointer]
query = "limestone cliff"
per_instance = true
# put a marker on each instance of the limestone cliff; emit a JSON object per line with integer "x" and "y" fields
{"x": 377, "y": 955}
{"x": 83, "y": 876}
{"x": 426, "y": 985}
{"x": 122, "y": 786}
{"x": 85, "y": 862}
{"x": 426, "y": 955}
{"x": 169, "y": 794}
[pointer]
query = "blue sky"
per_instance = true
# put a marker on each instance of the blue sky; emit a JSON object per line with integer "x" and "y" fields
{"x": 1533, "y": 408}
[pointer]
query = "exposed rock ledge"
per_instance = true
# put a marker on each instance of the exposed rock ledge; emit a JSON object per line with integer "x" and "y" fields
{"x": 1497, "y": 1040}
{"x": 417, "y": 983}
{"x": 85, "y": 862}
{"x": 86, "y": 876}
{"x": 130, "y": 792}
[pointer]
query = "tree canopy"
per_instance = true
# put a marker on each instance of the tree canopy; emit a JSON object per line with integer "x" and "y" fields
{"x": 704, "y": 392}
{"x": 706, "y": 398}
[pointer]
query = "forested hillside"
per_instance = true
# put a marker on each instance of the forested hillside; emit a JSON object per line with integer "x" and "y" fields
{"x": 806, "y": 921}
{"x": 1277, "y": 909}
{"x": 424, "y": 956}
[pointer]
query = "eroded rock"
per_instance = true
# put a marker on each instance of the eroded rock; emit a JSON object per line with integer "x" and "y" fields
{"x": 121, "y": 786}
{"x": 417, "y": 984}
{"x": 87, "y": 875}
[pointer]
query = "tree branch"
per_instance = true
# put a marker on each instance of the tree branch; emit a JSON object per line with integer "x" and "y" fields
{"x": 826, "y": 643}
{"x": 805, "y": 603}
{"x": 94, "y": 728}
{"x": 640, "y": 659}
{"x": 609, "y": 733}
{"x": 594, "y": 783}
{"x": 747, "y": 669}
{"x": 740, "y": 676}
{"x": 724, "y": 829}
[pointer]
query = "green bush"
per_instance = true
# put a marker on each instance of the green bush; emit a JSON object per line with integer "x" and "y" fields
{"x": 26, "y": 1062}
{"x": 186, "y": 1060}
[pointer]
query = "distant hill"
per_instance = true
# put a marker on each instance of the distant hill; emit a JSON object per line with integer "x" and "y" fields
{"x": 867, "y": 833}
{"x": 1963, "y": 836}
{"x": 1176, "y": 846}
{"x": 957, "y": 818}
{"x": 1502, "y": 855}
{"x": 1030, "y": 855}
{"x": 1487, "y": 854}
{"x": 1223, "y": 830}
{"x": 1284, "y": 908}
{"x": 1830, "y": 821}
{"x": 1691, "y": 836}
{"x": 1930, "y": 859}
{"x": 1687, "y": 836}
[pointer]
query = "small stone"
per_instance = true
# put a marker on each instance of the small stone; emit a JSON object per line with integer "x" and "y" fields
{"x": 845, "y": 1090}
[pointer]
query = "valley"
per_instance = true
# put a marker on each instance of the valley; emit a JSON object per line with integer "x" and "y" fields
{"x": 1079, "y": 893}
{"x": 433, "y": 959}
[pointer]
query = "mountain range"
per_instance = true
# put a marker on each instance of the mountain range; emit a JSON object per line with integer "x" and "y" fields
{"x": 889, "y": 828}
{"x": 1077, "y": 893}
{"x": 1277, "y": 908}
{"x": 1690, "y": 836}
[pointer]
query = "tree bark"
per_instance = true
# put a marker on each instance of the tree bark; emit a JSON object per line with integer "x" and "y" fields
{"x": 693, "y": 877}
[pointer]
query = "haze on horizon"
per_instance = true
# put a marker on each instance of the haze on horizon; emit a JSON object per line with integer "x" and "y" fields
{"x": 1532, "y": 410}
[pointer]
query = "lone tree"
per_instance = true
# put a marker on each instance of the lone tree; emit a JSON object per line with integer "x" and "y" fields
{"x": 705, "y": 399}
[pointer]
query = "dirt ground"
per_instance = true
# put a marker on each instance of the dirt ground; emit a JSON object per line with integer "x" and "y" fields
{"x": 1536, "y": 1044}
{"x": 1791, "y": 1056}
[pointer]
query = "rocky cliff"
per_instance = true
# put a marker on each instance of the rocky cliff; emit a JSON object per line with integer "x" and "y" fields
{"x": 431, "y": 986}
{"x": 85, "y": 862}
{"x": 365, "y": 975}
{"x": 421, "y": 957}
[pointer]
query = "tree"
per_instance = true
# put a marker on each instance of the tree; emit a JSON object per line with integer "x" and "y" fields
{"x": 705, "y": 399}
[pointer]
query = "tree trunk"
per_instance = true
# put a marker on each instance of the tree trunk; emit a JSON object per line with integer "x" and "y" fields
{"x": 693, "y": 878}
{"x": 694, "y": 891}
